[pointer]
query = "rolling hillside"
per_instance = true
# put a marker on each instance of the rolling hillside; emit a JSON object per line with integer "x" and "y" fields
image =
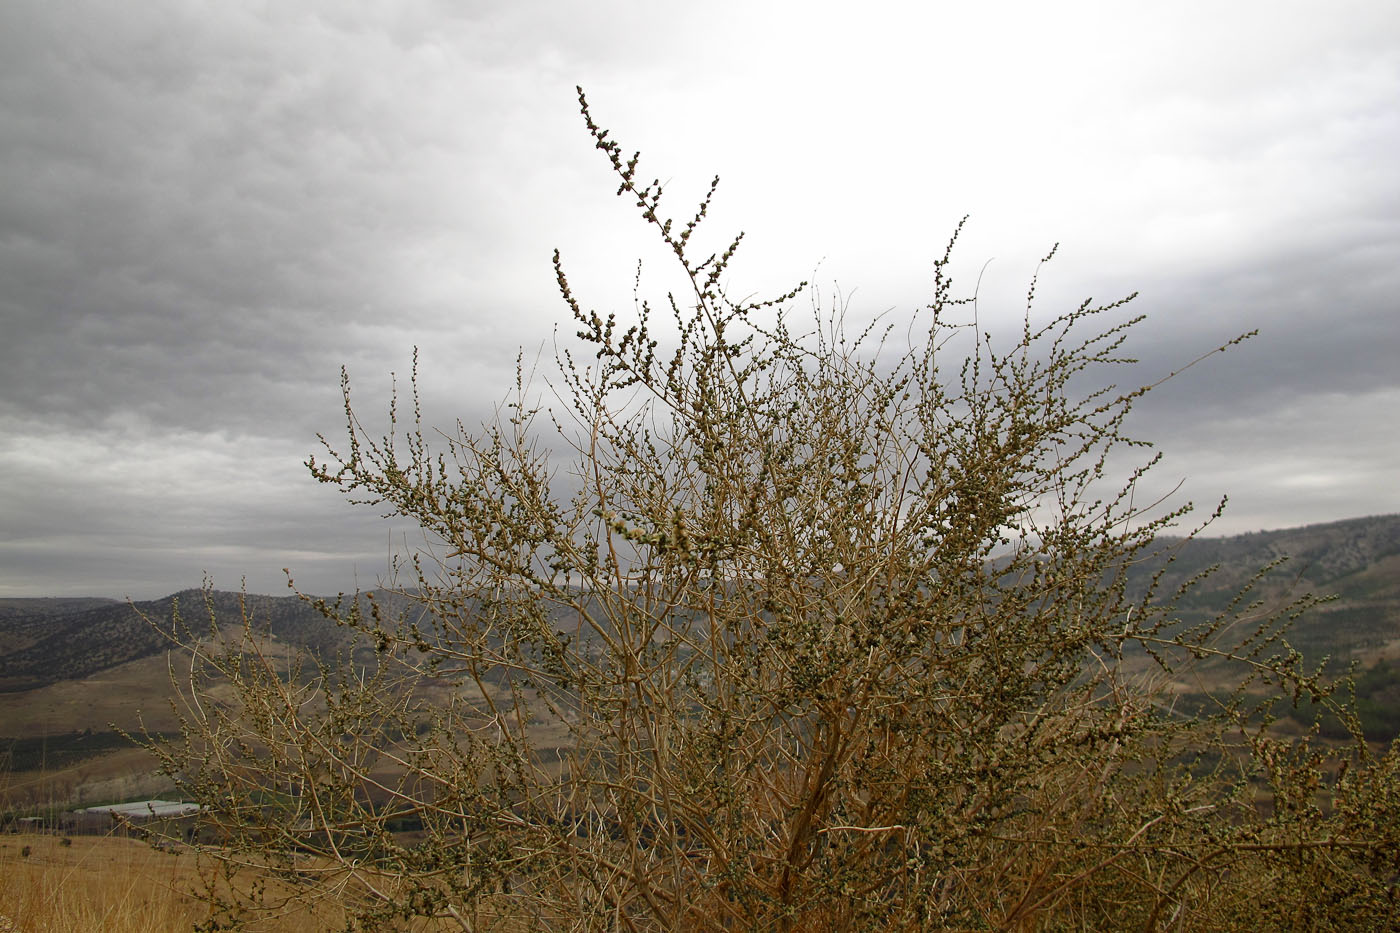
{"x": 46, "y": 645}
{"x": 46, "y": 641}
{"x": 71, "y": 667}
{"x": 1355, "y": 562}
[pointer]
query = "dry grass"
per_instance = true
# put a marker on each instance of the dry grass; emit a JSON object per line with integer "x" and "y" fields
{"x": 96, "y": 883}
{"x": 125, "y": 694}
{"x": 109, "y": 884}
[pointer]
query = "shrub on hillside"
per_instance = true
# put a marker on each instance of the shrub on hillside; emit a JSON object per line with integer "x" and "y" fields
{"x": 772, "y": 625}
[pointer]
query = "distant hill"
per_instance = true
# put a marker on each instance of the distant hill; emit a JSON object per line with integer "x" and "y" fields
{"x": 24, "y": 621}
{"x": 1357, "y": 561}
{"x": 49, "y": 605}
{"x": 70, "y": 667}
{"x": 42, "y": 643}
{"x": 1316, "y": 553}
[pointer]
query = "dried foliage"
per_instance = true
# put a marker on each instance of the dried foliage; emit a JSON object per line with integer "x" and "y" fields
{"x": 776, "y": 627}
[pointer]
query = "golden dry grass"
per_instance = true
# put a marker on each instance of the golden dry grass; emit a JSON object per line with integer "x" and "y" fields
{"x": 96, "y": 883}
{"x": 106, "y": 884}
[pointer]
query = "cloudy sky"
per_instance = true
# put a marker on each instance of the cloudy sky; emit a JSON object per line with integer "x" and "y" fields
{"x": 207, "y": 208}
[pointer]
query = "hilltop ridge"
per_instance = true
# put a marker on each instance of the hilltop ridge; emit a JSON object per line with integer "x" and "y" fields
{"x": 43, "y": 641}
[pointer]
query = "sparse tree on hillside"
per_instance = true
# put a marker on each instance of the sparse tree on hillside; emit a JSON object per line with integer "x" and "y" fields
{"x": 801, "y": 631}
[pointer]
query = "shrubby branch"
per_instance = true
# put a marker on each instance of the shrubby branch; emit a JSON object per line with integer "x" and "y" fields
{"x": 798, "y": 632}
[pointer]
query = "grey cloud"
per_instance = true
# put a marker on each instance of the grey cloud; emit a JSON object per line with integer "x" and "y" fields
{"x": 205, "y": 211}
{"x": 194, "y": 205}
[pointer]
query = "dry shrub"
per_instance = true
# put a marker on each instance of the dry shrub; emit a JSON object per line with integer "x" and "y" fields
{"x": 767, "y": 625}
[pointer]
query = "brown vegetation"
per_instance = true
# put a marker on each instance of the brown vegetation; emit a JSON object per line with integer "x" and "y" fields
{"x": 108, "y": 884}
{"x": 95, "y": 883}
{"x": 826, "y": 635}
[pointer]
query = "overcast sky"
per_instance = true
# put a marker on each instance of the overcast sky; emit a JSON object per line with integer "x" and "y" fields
{"x": 207, "y": 208}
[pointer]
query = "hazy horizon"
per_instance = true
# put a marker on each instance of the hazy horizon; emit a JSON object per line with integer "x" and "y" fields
{"x": 283, "y": 591}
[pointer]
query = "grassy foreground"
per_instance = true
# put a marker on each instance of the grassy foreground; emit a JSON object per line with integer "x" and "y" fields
{"x": 115, "y": 885}
{"x": 107, "y": 884}
{"x": 94, "y": 883}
